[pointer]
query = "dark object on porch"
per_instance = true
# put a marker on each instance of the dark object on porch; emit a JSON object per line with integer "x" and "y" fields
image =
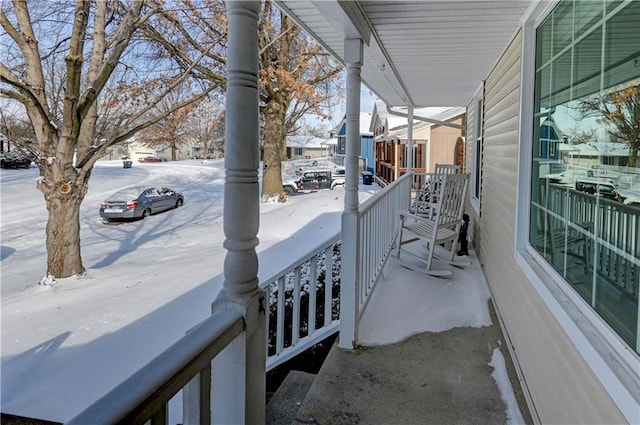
{"x": 462, "y": 238}
{"x": 367, "y": 177}
{"x": 126, "y": 163}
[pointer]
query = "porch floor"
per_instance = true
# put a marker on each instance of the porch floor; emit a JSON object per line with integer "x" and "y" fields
{"x": 426, "y": 358}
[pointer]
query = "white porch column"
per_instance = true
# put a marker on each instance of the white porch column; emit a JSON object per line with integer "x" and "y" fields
{"x": 410, "y": 140}
{"x": 239, "y": 371}
{"x": 349, "y": 275}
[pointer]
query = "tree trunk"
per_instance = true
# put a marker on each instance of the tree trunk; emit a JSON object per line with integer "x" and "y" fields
{"x": 63, "y": 200}
{"x": 274, "y": 140}
{"x": 633, "y": 158}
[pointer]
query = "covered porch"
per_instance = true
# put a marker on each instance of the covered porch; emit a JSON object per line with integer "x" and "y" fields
{"x": 390, "y": 46}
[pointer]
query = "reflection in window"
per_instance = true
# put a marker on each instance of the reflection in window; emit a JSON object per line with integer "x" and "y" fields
{"x": 585, "y": 220}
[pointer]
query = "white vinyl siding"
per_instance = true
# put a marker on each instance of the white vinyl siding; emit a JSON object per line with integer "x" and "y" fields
{"x": 560, "y": 384}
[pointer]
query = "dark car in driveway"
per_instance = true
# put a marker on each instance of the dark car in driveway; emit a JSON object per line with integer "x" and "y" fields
{"x": 139, "y": 202}
{"x": 321, "y": 178}
{"x": 14, "y": 160}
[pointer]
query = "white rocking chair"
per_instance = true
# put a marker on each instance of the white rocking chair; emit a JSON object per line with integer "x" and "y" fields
{"x": 426, "y": 194}
{"x": 440, "y": 226}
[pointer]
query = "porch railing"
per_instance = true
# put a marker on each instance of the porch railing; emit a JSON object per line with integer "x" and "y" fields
{"x": 368, "y": 235}
{"x": 594, "y": 243}
{"x": 302, "y": 312}
{"x": 303, "y": 302}
{"x": 145, "y": 395}
{"x": 378, "y": 226}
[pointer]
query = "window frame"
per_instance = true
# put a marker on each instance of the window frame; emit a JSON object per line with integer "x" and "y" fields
{"x": 478, "y": 148}
{"x": 603, "y": 350}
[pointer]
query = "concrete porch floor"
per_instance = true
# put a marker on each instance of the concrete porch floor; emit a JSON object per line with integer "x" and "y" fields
{"x": 426, "y": 358}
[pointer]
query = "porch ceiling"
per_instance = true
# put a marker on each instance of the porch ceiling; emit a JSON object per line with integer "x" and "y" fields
{"x": 420, "y": 53}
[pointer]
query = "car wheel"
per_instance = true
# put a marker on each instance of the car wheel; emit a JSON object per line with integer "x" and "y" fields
{"x": 287, "y": 190}
{"x": 178, "y": 203}
{"x": 146, "y": 213}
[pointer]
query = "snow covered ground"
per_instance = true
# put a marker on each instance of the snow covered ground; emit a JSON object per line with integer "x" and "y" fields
{"x": 66, "y": 344}
{"x": 147, "y": 282}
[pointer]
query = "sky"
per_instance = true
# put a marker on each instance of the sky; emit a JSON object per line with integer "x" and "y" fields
{"x": 67, "y": 343}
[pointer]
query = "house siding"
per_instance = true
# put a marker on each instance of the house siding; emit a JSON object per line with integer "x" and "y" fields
{"x": 561, "y": 386}
{"x": 471, "y": 141}
{"x": 442, "y": 145}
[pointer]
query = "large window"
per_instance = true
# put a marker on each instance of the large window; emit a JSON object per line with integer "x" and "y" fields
{"x": 585, "y": 208}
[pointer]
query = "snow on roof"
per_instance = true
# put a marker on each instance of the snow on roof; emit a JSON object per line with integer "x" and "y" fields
{"x": 601, "y": 149}
{"x": 399, "y": 124}
{"x": 307, "y": 142}
{"x": 365, "y": 123}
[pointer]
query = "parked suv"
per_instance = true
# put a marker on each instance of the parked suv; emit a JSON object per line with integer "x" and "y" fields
{"x": 14, "y": 159}
{"x": 597, "y": 186}
{"x": 290, "y": 184}
{"x": 315, "y": 179}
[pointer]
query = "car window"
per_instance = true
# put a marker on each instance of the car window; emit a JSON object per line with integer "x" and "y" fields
{"x": 321, "y": 177}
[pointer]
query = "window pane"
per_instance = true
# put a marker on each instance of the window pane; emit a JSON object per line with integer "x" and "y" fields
{"x": 543, "y": 87}
{"x": 588, "y": 57}
{"x": 561, "y": 79}
{"x": 622, "y": 46}
{"x": 584, "y": 156}
{"x": 543, "y": 46}
{"x": 562, "y": 26}
{"x": 588, "y": 13}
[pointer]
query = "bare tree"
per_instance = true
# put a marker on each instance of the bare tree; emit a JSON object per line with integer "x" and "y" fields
{"x": 206, "y": 127}
{"x": 99, "y": 53}
{"x": 172, "y": 130}
{"x": 297, "y": 78}
{"x": 620, "y": 109}
{"x": 18, "y": 133}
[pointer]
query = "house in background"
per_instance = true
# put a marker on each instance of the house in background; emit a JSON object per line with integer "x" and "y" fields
{"x": 137, "y": 150}
{"x": 182, "y": 152}
{"x": 367, "y": 156}
{"x": 438, "y": 140}
{"x": 309, "y": 147}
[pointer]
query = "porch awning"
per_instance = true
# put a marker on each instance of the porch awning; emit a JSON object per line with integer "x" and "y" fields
{"x": 420, "y": 53}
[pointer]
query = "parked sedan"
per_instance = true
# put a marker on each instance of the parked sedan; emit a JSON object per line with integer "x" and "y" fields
{"x": 149, "y": 159}
{"x": 139, "y": 202}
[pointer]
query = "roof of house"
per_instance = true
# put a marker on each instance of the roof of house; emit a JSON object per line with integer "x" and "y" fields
{"x": 309, "y": 142}
{"x": 397, "y": 125}
{"x": 365, "y": 122}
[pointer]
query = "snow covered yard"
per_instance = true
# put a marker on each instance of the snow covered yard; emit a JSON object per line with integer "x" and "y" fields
{"x": 147, "y": 281}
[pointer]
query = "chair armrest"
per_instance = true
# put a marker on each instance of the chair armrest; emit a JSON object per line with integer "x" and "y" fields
{"x": 404, "y": 214}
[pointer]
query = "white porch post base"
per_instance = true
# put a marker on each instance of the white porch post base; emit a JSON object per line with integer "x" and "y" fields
{"x": 239, "y": 372}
